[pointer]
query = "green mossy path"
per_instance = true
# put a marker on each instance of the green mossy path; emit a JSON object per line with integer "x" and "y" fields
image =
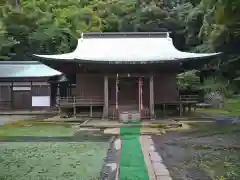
{"x": 132, "y": 164}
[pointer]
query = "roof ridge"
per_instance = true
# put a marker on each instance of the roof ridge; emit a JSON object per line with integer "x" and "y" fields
{"x": 162, "y": 34}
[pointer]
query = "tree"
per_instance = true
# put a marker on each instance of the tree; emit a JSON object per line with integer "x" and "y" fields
{"x": 53, "y": 26}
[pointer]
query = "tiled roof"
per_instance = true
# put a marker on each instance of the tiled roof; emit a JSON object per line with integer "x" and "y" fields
{"x": 14, "y": 69}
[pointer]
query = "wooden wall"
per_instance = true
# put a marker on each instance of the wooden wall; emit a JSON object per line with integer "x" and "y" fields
{"x": 90, "y": 86}
{"x": 165, "y": 88}
{"x": 17, "y": 95}
{"x": 5, "y": 96}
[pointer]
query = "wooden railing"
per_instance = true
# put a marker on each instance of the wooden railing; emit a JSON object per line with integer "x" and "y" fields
{"x": 189, "y": 98}
{"x": 177, "y": 100}
{"x": 79, "y": 101}
{"x": 99, "y": 101}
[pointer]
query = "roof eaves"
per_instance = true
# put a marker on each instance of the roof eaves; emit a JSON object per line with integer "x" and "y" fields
{"x": 19, "y": 62}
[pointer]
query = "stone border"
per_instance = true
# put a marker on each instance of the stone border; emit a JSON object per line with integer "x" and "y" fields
{"x": 85, "y": 122}
{"x": 27, "y": 113}
{"x": 156, "y": 168}
{"x": 111, "y": 165}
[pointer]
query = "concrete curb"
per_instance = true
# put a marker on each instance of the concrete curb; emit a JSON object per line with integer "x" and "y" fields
{"x": 118, "y": 160}
{"x": 85, "y": 122}
{"x": 156, "y": 168}
{"x": 110, "y": 169}
{"x": 26, "y": 113}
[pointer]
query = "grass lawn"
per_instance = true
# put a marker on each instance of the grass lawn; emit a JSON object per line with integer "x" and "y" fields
{"x": 51, "y": 161}
{"x": 31, "y": 128}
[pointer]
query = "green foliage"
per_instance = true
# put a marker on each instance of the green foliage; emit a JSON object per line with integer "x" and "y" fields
{"x": 231, "y": 108}
{"x": 53, "y": 27}
{"x": 219, "y": 84}
{"x": 188, "y": 79}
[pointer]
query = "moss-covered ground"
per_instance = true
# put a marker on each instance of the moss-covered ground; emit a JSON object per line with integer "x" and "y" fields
{"x": 32, "y": 159}
{"x": 51, "y": 161}
{"x": 33, "y": 128}
{"x": 132, "y": 164}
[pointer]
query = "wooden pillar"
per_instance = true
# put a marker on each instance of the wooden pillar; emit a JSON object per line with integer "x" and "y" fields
{"x": 117, "y": 82}
{"x": 12, "y": 97}
{"x": 151, "y": 100}
{"x": 74, "y": 107}
{"x": 140, "y": 98}
{"x": 31, "y": 85}
{"x": 181, "y": 108}
{"x": 105, "y": 113}
{"x": 164, "y": 110}
{"x": 58, "y": 98}
{"x": 91, "y": 111}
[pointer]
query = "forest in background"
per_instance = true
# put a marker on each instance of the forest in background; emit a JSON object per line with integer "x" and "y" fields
{"x": 52, "y": 27}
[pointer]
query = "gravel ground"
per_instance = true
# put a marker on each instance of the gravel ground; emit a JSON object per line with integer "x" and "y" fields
{"x": 191, "y": 157}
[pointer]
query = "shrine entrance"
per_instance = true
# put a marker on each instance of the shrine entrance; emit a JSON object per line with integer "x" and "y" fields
{"x": 129, "y": 98}
{"x": 128, "y": 92}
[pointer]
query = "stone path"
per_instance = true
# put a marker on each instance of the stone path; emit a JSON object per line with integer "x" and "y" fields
{"x": 27, "y": 112}
{"x": 156, "y": 168}
{"x": 13, "y": 118}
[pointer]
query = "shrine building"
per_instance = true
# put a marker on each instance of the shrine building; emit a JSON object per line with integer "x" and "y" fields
{"x": 109, "y": 74}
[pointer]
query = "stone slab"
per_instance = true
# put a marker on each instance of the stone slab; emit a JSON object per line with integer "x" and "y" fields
{"x": 155, "y": 157}
{"x": 152, "y": 148}
{"x": 13, "y": 118}
{"x": 164, "y": 178}
{"x": 150, "y": 141}
{"x": 144, "y": 143}
{"x": 160, "y": 169}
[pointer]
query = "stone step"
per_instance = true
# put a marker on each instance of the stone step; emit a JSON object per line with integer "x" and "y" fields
{"x": 129, "y": 116}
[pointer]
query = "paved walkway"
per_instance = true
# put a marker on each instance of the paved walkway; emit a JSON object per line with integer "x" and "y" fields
{"x": 13, "y": 118}
{"x": 139, "y": 160}
{"x": 155, "y": 166}
{"x": 27, "y": 112}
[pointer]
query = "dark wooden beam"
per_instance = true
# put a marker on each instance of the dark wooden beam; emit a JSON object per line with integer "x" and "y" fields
{"x": 12, "y": 96}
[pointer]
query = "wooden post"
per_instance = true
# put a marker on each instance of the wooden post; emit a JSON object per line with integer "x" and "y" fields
{"x": 140, "y": 84}
{"x": 117, "y": 81}
{"x": 164, "y": 109}
{"x": 189, "y": 107}
{"x": 105, "y": 109}
{"x": 181, "y": 108}
{"x": 58, "y": 104}
{"x": 31, "y": 92}
{"x": 74, "y": 107}
{"x": 91, "y": 111}
{"x": 151, "y": 100}
{"x": 12, "y": 97}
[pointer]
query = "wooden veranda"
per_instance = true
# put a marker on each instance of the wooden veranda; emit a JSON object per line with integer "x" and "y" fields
{"x": 73, "y": 102}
